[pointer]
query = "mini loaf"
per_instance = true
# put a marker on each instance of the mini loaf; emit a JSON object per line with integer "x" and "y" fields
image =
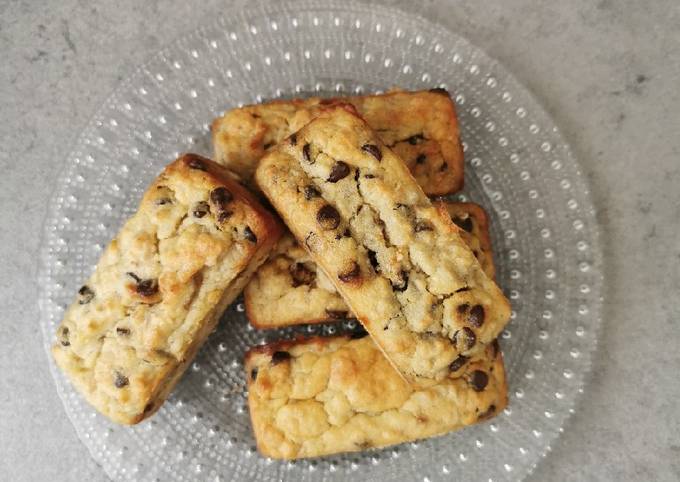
{"x": 421, "y": 127}
{"x": 160, "y": 288}
{"x": 328, "y": 395}
{"x": 399, "y": 262}
{"x": 290, "y": 289}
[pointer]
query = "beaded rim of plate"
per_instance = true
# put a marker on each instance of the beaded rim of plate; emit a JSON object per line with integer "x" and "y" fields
{"x": 519, "y": 168}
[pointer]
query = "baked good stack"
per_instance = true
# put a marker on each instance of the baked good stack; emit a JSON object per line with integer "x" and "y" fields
{"x": 350, "y": 178}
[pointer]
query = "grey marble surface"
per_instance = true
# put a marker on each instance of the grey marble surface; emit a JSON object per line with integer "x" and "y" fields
{"x": 607, "y": 71}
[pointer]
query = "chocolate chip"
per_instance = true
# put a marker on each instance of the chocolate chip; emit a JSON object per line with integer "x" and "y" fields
{"x": 253, "y": 374}
{"x": 467, "y": 337}
{"x": 249, "y": 235}
{"x": 465, "y": 224}
{"x": 373, "y": 259}
{"x": 487, "y": 413}
{"x": 478, "y": 380}
{"x": 458, "y": 363}
{"x": 268, "y": 145}
{"x": 220, "y": 197}
{"x": 373, "y": 150}
{"x": 121, "y": 380}
{"x": 352, "y": 273}
{"x": 336, "y": 314}
{"x": 123, "y": 331}
{"x": 301, "y": 275}
{"x": 402, "y": 283}
{"x": 421, "y": 158}
{"x": 328, "y": 217}
{"x": 340, "y": 170}
{"x": 439, "y": 90}
{"x": 306, "y": 153}
{"x": 463, "y": 308}
{"x": 201, "y": 209}
{"x": 422, "y": 226}
{"x": 86, "y": 294}
{"x": 416, "y": 139}
{"x": 476, "y": 316}
{"x": 222, "y": 216}
{"x": 64, "y": 336}
{"x": 147, "y": 287}
{"x": 293, "y": 139}
{"x": 311, "y": 192}
{"x": 195, "y": 163}
{"x": 162, "y": 201}
{"x": 345, "y": 234}
{"x": 280, "y": 356}
{"x": 144, "y": 287}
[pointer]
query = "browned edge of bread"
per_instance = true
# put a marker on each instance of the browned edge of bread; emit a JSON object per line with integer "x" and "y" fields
{"x": 454, "y": 163}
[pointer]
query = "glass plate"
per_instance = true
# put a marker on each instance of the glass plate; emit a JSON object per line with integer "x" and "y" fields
{"x": 517, "y": 166}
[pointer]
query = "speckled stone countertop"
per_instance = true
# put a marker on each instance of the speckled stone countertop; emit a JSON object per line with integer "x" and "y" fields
{"x": 607, "y": 71}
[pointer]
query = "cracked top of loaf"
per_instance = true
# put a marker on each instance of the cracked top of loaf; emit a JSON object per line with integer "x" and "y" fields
{"x": 399, "y": 262}
{"x": 160, "y": 286}
{"x": 322, "y": 396}
{"x": 421, "y": 127}
{"x": 290, "y": 289}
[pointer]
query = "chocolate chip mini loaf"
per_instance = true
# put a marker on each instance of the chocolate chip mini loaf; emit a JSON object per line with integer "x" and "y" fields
{"x": 328, "y": 395}
{"x": 421, "y": 127}
{"x": 160, "y": 288}
{"x": 290, "y": 289}
{"x": 399, "y": 263}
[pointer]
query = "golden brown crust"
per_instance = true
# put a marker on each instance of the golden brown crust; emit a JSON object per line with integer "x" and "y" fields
{"x": 290, "y": 289}
{"x": 322, "y": 396}
{"x": 400, "y": 264}
{"x": 474, "y": 232}
{"x": 421, "y": 127}
{"x": 160, "y": 287}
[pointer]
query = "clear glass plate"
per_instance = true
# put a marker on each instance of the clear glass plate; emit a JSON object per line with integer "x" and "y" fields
{"x": 517, "y": 166}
